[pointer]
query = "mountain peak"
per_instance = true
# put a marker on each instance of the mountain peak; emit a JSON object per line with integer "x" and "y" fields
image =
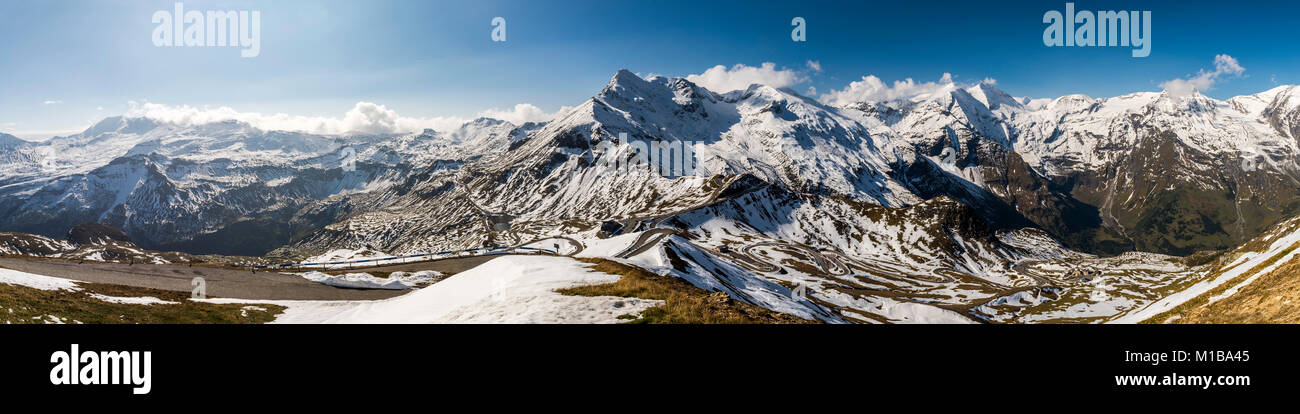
{"x": 1195, "y": 101}
{"x": 1283, "y": 96}
{"x": 1071, "y": 103}
{"x": 10, "y": 141}
{"x": 486, "y": 121}
{"x": 991, "y": 96}
{"x": 625, "y": 83}
{"x": 625, "y": 78}
{"x": 1280, "y": 90}
{"x": 121, "y": 125}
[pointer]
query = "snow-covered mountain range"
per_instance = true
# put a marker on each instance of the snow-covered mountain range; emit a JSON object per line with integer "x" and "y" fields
{"x": 1101, "y": 175}
{"x": 875, "y": 206}
{"x": 214, "y": 188}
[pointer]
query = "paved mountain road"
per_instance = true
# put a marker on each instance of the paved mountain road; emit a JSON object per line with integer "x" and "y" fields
{"x": 644, "y": 242}
{"x": 226, "y": 283}
{"x": 450, "y": 266}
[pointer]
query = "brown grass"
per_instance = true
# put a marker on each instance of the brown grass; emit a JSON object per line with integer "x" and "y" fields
{"x": 683, "y": 302}
{"x": 21, "y": 304}
{"x": 1272, "y": 298}
{"x": 381, "y": 275}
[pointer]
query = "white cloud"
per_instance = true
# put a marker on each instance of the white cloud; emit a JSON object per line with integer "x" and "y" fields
{"x": 1228, "y": 64}
{"x": 52, "y": 102}
{"x": 721, "y": 79}
{"x": 1203, "y": 81}
{"x": 363, "y": 118}
{"x": 815, "y": 66}
{"x": 521, "y": 113}
{"x": 872, "y": 89}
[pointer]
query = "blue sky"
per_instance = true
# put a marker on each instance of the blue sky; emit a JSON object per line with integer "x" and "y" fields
{"x": 69, "y": 63}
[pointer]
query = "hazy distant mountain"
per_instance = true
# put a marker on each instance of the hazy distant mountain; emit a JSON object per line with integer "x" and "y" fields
{"x": 224, "y": 187}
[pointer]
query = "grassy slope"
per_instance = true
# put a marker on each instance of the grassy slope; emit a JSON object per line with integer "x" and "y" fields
{"x": 21, "y": 304}
{"x": 1272, "y": 298}
{"x": 1200, "y": 310}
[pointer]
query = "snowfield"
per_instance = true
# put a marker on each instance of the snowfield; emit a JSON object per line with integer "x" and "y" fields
{"x": 510, "y": 289}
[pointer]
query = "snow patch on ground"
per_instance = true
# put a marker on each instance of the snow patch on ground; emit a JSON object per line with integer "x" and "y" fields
{"x": 146, "y": 300}
{"x": 510, "y": 289}
{"x": 607, "y": 248}
{"x": 13, "y": 277}
{"x": 911, "y": 312}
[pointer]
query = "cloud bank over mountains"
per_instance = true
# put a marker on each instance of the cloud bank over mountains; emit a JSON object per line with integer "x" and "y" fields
{"x": 1203, "y": 81}
{"x": 722, "y": 79}
{"x": 871, "y": 89}
{"x": 373, "y": 118}
{"x": 363, "y": 118}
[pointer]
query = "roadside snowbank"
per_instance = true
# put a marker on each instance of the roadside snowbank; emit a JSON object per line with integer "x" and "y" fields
{"x": 395, "y": 281}
{"x": 346, "y": 256}
{"x": 342, "y": 255}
